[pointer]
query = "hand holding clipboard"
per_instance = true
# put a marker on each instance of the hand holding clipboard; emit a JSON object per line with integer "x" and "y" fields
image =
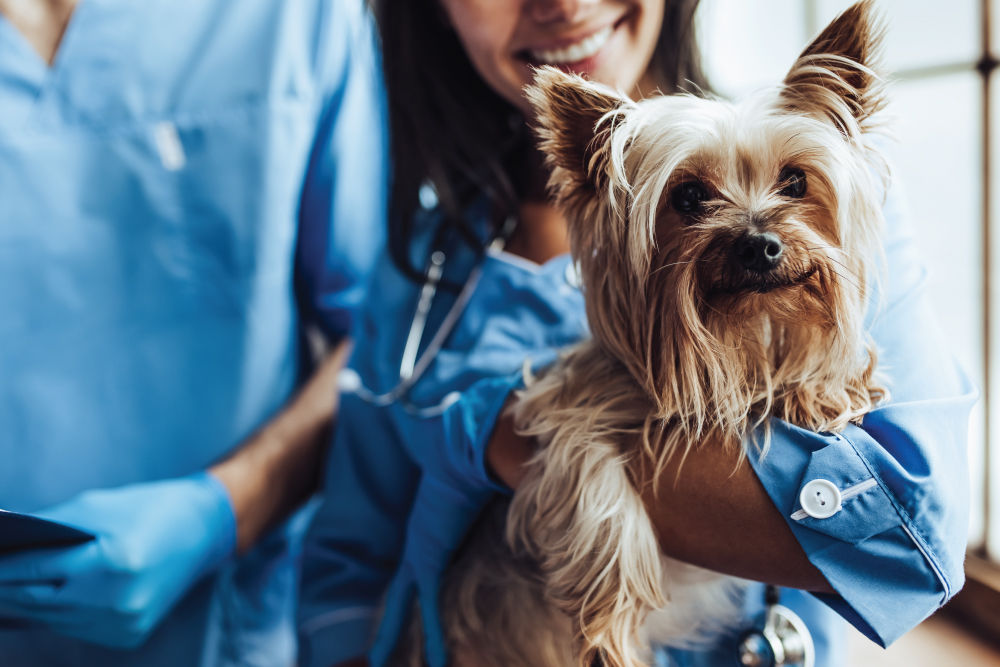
{"x": 107, "y": 565}
{"x": 19, "y": 532}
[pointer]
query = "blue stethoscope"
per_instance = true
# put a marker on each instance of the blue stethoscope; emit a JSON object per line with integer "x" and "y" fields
{"x": 783, "y": 641}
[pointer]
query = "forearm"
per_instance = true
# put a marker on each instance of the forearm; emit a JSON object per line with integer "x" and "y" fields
{"x": 274, "y": 471}
{"x": 713, "y": 514}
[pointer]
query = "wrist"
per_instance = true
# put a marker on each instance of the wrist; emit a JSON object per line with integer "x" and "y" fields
{"x": 220, "y": 518}
{"x": 507, "y": 452}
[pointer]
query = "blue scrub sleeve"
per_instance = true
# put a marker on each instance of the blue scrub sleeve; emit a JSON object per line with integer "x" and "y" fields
{"x": 357, "y": 535}
{"x": 463, "y": 432}
{"x": 355, "y": 538}
{"x": 342, "y": 214}
{"x": 894, "y": 551}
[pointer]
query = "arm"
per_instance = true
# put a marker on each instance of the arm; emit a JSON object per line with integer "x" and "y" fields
{"x": 154, "y": 539}
{"x": 341, "y": 229}
{"x": 278, "y": 468}
{"x": 739, "y": 532}
{"x": 355, "y": 538}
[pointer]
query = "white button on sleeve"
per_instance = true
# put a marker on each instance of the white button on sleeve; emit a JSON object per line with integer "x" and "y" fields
{"x": 820, "y": 499}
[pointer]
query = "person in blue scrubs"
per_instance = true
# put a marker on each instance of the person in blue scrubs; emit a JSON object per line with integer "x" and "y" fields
{"x": 423, "y": 446}
{"x": 187, "y": 190}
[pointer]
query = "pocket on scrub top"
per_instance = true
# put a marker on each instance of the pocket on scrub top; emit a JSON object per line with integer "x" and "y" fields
{"x": 224, "y": 187}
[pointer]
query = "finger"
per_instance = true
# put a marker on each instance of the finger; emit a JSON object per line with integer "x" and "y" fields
{"x": 49, "y": 566}
{"x": 40, "y": 607}
{"x": 430, "y": 613}
{"x": 52, "y": 618}
{"x": 394, "y": 619}
{"x": 26, "y": 597}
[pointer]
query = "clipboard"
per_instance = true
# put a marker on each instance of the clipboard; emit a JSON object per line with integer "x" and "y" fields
{"x": 24, "y": 531}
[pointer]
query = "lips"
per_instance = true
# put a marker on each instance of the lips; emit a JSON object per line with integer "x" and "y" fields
{"x": 573, "y": 48}
{"x": 575, "y": 52}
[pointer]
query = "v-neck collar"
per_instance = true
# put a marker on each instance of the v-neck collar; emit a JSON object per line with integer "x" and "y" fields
{"x": 30, "y": 59}
{"x": 18, "y": 59}
{"x": 87, "y": 76}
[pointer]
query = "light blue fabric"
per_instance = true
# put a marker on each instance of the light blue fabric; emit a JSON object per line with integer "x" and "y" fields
{"x": 894, "y": 552}
{"x": 189, "y": 183}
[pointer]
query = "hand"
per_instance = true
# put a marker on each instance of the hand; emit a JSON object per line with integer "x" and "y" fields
{"x": 152, "y": 542}
{"x": 442, "y": 515}
{"x": 454, "y": 488}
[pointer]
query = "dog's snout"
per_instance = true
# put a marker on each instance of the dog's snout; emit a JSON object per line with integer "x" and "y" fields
{"x": 758, "y": 251}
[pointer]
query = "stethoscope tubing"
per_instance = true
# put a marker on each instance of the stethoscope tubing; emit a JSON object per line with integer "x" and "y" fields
{"x": 411, "y": 366}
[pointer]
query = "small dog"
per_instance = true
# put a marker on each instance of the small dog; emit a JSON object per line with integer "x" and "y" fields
{"x": 723, "y": 251}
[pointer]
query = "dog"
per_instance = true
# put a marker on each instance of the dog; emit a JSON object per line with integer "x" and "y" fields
{"x": 725, "y": 252}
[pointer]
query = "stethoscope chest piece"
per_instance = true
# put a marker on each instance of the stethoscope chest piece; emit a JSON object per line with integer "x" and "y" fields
{"x": 784, "y": 641}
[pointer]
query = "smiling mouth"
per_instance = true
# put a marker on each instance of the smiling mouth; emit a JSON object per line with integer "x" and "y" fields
{"x": 581, "y": 50}
{"x": 578, "y": 51}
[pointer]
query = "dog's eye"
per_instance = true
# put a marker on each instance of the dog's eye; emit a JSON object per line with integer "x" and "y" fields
{"x": 688, "y": 197}
{"x": 793, "y": 182}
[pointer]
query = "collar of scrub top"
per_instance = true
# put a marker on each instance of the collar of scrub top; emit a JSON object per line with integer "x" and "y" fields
{"x": 411, "y": 365}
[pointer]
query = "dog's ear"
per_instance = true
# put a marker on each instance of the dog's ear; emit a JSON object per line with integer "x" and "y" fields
{"x": 835, "y": 77}
{"x": 568, "y": 110}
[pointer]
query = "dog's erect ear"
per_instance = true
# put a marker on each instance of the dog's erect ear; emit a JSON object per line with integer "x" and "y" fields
{"x": 835, "y": 76}
{"x": 567, "y": 110}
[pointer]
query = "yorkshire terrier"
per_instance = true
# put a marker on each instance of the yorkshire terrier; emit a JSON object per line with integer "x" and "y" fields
{"x": 725, "y": 252}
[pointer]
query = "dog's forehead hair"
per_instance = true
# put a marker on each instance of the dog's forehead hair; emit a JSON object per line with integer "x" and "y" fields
{"x": 737, "y": 150}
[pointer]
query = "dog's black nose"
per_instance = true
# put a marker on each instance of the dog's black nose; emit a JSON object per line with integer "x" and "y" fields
{"x": 758, "y": 251}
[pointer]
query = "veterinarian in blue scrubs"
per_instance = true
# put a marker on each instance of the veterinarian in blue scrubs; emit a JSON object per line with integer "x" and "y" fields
{"x": 184, "y": 190}
{"x": 441, "y": 349}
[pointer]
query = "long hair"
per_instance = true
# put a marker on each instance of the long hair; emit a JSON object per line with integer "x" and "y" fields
{"x": 449, "y": 129}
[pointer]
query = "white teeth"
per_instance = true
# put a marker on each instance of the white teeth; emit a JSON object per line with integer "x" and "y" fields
{"x": 582, "y": 50}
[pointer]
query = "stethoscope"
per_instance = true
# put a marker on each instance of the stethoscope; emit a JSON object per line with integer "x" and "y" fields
{"x": 784, "y": 640}
{"x": 413, "y": 365}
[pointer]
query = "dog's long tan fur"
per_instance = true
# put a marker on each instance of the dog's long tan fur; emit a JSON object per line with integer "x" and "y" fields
{"x": 684, "y": 350}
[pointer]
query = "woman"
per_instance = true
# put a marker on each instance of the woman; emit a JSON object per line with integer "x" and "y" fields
{"x": 421, "y": 437}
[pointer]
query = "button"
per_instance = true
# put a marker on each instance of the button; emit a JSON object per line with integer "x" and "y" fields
{"x": 820, "y": 499}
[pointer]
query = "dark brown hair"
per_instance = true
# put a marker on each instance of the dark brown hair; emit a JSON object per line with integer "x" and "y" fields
{"x": 451, "y": 130}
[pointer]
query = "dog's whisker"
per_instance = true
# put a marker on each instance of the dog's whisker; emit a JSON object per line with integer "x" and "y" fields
{"x": 667, "y": 266}
{"x": 849, "y": 280}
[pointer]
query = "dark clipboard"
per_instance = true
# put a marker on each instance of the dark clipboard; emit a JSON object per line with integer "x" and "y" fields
{"x": 24, "y": 531}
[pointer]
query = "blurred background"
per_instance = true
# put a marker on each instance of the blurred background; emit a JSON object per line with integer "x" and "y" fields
{"x": 945, "y": 118}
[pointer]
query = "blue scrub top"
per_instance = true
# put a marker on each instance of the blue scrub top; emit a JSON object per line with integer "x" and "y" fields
{"x": 893, "y": 553}
{"x": 189, "y": 183}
